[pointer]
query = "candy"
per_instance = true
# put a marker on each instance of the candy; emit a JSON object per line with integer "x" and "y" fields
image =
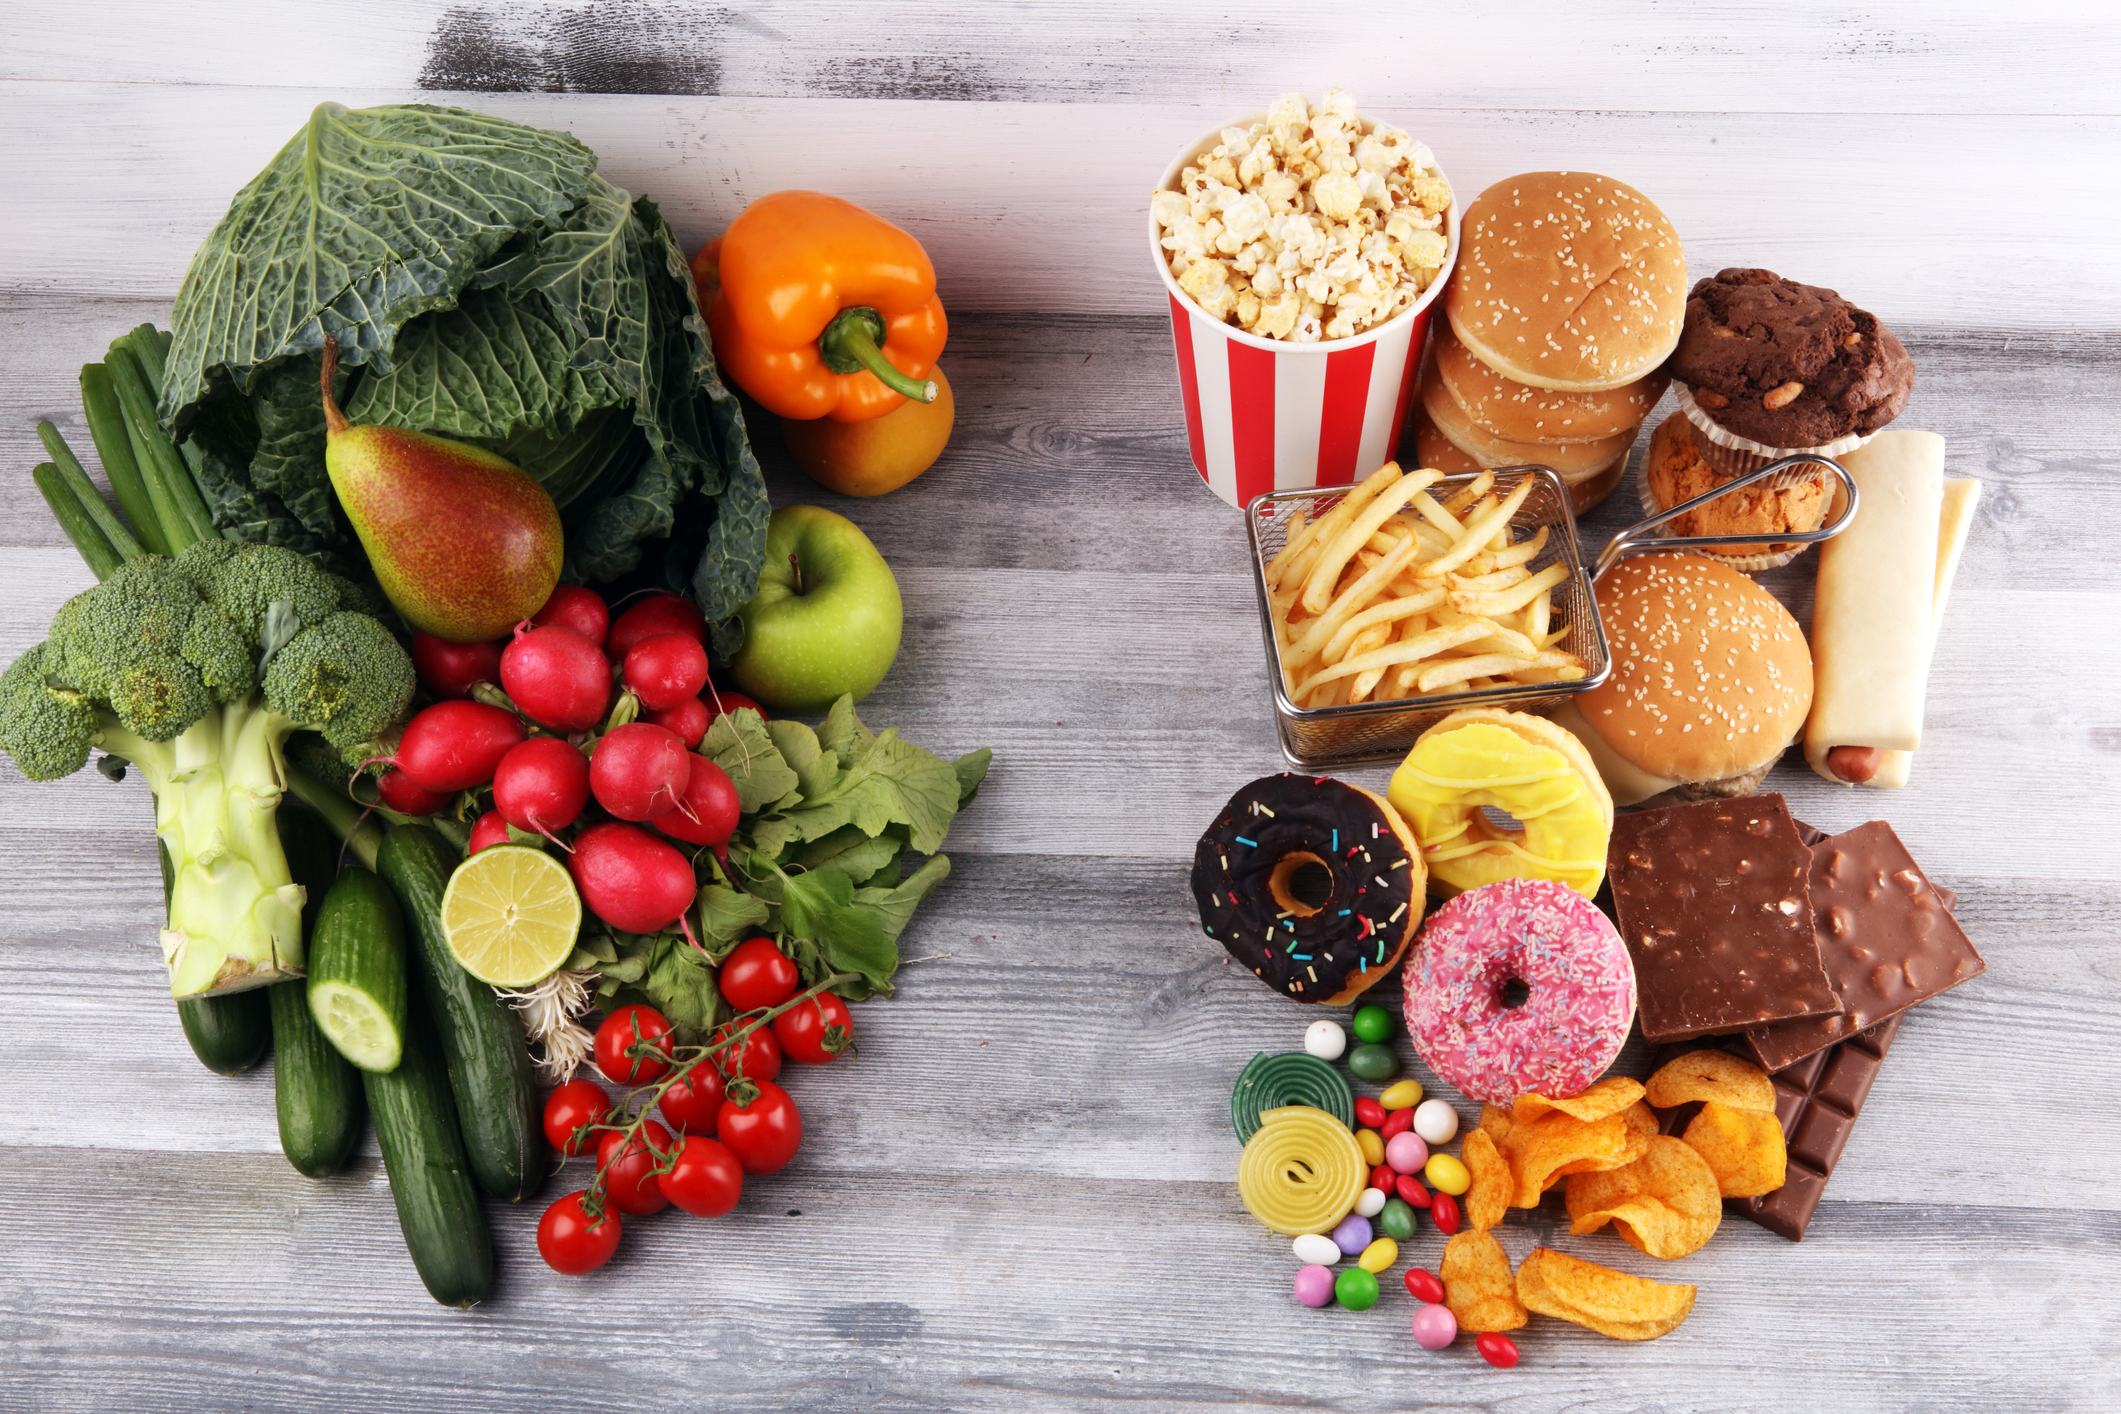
{"x": 1404, "y": 1095}
{"x": 1301, "y": 1171}
{"x": 1327, "y": 1041}
{"x": 1353, "y": 1234}
{"x": 1371, "y": 1023}
{"x": 1448, "y": 1173}
{"x": 1373, "y": 1148}
{"x": 1378, "y": 1255}
{"x": 1368, "y": 1113}
{"x": 1397, "y": 1122}
{"x": 1369, "y": 1203}
{"x": 1396, "y": 1219}
{"x": 1371, "y": 1061}
{"x": 1384, "y": 1176}
{"x": 1315, "y": 1249}
{"x": 1409, "y": 1188}
{"x": 1435, "y": 1327}
{"x": 1443, "y": 1211}
{"x": 1314, "y": 1286}
{"x": 1292, "y": 1078}
{"x": 1356, "y": 1289}
{"x": 1497, "y": 1349}
{"x": 1436, "y": 1121}
{"x": 1424, "y": 1285}
{"x": 1406, "y": 1153}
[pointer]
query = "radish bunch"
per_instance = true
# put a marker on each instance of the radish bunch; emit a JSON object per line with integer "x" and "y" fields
{"x": 614, "y": 799}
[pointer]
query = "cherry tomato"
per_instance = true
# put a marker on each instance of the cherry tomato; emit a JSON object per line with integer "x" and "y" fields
{"x": 706, "y": 1180}
{"x": 626, "y": 1027}
{"x": 765, "y": 1133}
{"x": 760, "y": 1058}
{"x": 569, "y": 1111}
{"x": 629, "y": 1177}
{"x": 693, "y": 1104}
{"x": 816, "y": 1031}
{"x": 571, "y": 1243}
{"x": 758, "y": 974}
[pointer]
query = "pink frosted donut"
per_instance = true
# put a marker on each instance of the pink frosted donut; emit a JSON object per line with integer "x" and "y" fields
{"x": 1556, "y": 942}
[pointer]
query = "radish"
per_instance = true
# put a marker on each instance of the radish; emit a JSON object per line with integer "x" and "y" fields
{"x": 666, "y": 669}
{"x": 631, "y": 879}
{"x": 688, "y": 719}
{"x": 541, "y": 785}
{"x": 490, "y": 831}
{"x": 583, "y": 610}
{"x": 720, "y": 704}
{"x": 448, "y": 670}
{"x": 707, "y": 814}
{"x": 397, "y": 791}
{"x": 454, "y": 746}
{"x": 640, "y": 771}
{"x": 661, "y": 612}
{"x": 557, "y": 677}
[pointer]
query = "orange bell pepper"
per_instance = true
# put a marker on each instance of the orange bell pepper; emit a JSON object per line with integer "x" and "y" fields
{"x": 821, "y": 309}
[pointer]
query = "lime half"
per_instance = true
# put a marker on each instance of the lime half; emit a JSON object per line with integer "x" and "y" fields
{"x": 511, "y": 915}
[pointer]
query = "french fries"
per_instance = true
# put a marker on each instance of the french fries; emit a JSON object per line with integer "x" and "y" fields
{"x": 1392, "y": 594}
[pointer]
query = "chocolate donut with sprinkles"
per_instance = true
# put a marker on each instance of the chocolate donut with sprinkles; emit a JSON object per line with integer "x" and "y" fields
{"x": 1312, "y": 884}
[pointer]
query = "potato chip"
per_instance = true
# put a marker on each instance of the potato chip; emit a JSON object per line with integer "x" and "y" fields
{"x": 1612, "y": 1303}
{"x": 1495, "y": 1123}
{"x": 1743, "y": 1148}
{"x": 1493, "y": 1184}
{"x": 1608, "y": 1096}
{"x": 1665, "y": 1204}
{"x": 1641, "y": 1120}
{"x": 1477, "y": 1284}
{"x": 1711, "y": 1075}
{"x": 1560, "y": 1144}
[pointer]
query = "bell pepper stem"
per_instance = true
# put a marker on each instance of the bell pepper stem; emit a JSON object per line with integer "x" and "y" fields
{"x": 850, "y": 342}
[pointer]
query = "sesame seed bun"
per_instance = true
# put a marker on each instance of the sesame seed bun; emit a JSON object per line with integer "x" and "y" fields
{"x": 1569, "y": 281}
{"x": 1571, "y": 460}
{"x": 1711, "y": 678}
{"x": 1523, "y": 413}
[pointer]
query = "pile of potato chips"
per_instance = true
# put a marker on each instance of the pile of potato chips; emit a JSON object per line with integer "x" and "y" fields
{"x": 1664, "y": 1196}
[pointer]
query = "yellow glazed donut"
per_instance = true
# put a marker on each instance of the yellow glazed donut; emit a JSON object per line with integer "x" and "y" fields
{"x": 1517, "y": 763}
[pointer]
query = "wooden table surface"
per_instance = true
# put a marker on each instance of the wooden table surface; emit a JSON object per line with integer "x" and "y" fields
{"x": 1020, "y": 1196}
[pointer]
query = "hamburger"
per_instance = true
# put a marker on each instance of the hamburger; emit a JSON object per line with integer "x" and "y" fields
{"x": 1711, "y": 681}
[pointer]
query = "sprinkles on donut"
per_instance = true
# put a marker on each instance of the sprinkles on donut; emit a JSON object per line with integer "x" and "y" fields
{"x": 1314, "y": 885}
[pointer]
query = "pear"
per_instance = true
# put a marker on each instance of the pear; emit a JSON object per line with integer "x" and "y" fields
{"x": 463, "y": 542}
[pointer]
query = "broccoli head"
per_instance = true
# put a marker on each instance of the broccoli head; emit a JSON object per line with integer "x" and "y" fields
{"x": 149, "y": 646}
{"x": 345, "y": 677}
{"x": 45, "y": 725}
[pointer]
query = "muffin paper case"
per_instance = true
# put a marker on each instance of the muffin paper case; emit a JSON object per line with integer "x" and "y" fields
{"x": 1744, "y": 564}
{"x": 1733, "y": 455}
{"x": 1271, "y": 415}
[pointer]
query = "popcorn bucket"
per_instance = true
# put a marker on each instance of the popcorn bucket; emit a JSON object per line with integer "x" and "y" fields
{"x": 1274, "y": 415}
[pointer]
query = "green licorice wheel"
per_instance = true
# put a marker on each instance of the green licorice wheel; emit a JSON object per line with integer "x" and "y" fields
{"x": 1292, "y": 1078}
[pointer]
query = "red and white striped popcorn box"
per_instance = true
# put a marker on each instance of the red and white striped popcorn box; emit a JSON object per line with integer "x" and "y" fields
{"x": 1277, "y": 415}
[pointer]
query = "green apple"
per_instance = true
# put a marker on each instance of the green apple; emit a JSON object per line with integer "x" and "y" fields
{"x": 827, "y": 616}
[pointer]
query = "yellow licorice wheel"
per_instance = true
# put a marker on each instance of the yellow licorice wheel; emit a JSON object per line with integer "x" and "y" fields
{"x": 1301, "y": 1172}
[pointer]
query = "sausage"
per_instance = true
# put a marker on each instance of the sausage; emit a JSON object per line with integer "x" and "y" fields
{"x": 1855, "y": 764}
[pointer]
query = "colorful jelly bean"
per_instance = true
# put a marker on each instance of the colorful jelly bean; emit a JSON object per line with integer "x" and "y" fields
{"x": 1396, "y": 1122}
{"x": 1409, "y": 1188}
{"x": 1373, "y": 1062}
{"x": 1443, "y": 1211}
{"x": 1406, "y": 1153}
{"x": 1424, "y": 1285}
{"x": 1314, "y": 1286}
{"x": 1368, "y": 1112}
{"x": 1372, "y": 1145}
{"x": 1356, "y": 1289}
{"x": 1436, "y": 1121}
{"x": 1370, "y": 1202}
{"x": 1448, "y": 1174}
{"x": 1403, "y": 1095}
{"x": 1435, "y": 1327}
{"x": 1378, "y": 1255}
{"x": 1353, "y": 1234}
{"x": 1315, "y": 1249}
{"x": 1371, "y": 1023}
{"x": 1396, "y": 1220}
{"x": 1384, "y": 1176}
{"x": 1325, "y": 1040}
{"x": 1497, "y": 1349}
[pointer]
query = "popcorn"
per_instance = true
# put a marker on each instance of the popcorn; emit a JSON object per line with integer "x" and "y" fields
{"x": 1304, "y": 227}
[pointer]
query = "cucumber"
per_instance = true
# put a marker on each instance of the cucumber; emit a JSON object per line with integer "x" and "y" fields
{"x": 430, "y": 1180}
{"x": 228, "y": 1033}
{"x": 357, "y": 971}
{"x": 481, "y": 1036}
{"x": 317, "y": 1094}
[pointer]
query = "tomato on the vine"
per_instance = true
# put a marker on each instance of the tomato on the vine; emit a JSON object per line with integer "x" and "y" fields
{"x": 623, "y": 1029}
{"x": 569, "y": 1111}
{"x": 757, "y": 975}
{"x": 706, "y": 1180}
{"x": 765, "y": 1133}
{"x": 694, "y": 1103}
{"x": 629, "y": 1176}
{"x": 815, "y": 1031}
{"x": 756, "y": 1057}
{"x": 571, "y": 1243}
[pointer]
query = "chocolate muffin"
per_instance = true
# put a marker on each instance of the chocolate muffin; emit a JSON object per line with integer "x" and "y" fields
{"x": 1788, "y": 365}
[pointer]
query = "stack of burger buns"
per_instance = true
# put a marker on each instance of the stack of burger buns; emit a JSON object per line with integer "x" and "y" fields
{"x": 1568, "y": 297}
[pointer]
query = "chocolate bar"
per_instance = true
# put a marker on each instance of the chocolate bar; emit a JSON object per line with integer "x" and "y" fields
{"x": 1886, "y": 936}
{"x": 1713, "y": 905}
{"x": 1817, "y": 1101}
{"x": 1811, "y": 835}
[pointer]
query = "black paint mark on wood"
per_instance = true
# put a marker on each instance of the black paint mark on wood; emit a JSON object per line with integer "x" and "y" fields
{"x": 948, "y": 77}
{"x": 613, "y": 46}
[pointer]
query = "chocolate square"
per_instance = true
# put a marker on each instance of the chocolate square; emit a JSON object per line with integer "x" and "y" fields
{"x": 1886, "y": 935}
{"x": 1713, "y": 905}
